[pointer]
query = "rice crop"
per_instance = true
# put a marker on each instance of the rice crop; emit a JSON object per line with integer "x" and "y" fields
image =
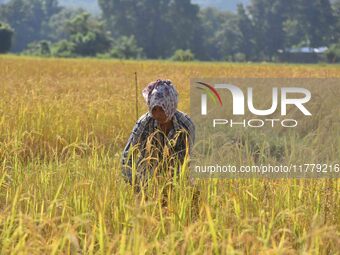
{"x": 63, "y": 126}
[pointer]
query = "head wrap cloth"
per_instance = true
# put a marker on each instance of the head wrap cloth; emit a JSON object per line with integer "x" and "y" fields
{"x": 162, "y": 93}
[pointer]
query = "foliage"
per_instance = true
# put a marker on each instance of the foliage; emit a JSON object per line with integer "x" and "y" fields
{"x": 63, "y": 48}
{"x": 333, "y": 53}
{"x": 28, "y": 19}
{"x": 88, "y": 35}
{"x": 6, "y": 34}
{"x": 125, "y": 47}
{"x": 85, "y": 36}
{"x": 58, "y": 24}
{"x": 268, "y": 17}
{"x": 247, "y": 34}
{"x": 41, "y": 48}
{"x": 228, "y": 37}
{"x": 159, "y": 27}
{"x": 336, "y": 9}
{"x": 183, "y": 55}
{"x": 258, "y": 30}
{"x": 240, "y": 57}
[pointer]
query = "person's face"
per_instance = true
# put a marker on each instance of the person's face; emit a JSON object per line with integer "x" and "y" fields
{"x": 159, "y": 114}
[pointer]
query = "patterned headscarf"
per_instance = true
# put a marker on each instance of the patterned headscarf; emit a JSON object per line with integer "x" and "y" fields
{"x": 162, "y": 93}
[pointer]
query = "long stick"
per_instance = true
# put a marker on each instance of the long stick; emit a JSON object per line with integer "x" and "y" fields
{"x": 136, "y": 84}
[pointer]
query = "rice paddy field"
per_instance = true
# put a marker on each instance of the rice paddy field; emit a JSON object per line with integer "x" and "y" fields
{"x": 63, "y": 126}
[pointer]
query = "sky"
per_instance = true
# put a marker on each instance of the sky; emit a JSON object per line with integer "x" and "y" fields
{"x": 92, "y": 6}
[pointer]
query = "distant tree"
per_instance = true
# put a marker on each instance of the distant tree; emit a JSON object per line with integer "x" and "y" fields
{"x": 266, "y": 26}
{"x": 86, "y": 36}
{"x": 221, "y": 33}
{"x": 28, "y": 17}
{"x": 49, "y": 7}
{"x": 40, "y": 48}
{"x": 125, "y": 47}
{"x": 316, "y": 18}
{"x": 6, "y": 34}
{"x": 336, "y": 11}
{"x": 228, "y": 38}
{"x": 294, "y": 34}
{"x": 211, "y": 21}
{"x": 57, "y": 27}
{"x": 185, "y": 26}
{"x": 336, "y": 8}
{"x": 183, "y": 55}
{"x": 246, "y": 28}
{"x": 310, "y": 23}
{"x": 120, "y": 16}
{"x": 159, "y": 27}
{"x": 268, "y": 17}
{"x": 333, "y": 53}
{"x": 147, "y": 20}
{"x": 63, "y": 48}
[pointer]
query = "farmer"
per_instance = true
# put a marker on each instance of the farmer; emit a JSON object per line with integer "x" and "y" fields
{"x": 162, "y": 137}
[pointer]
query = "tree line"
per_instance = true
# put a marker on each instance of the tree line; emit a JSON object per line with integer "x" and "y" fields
{"x": 178, "y": 29}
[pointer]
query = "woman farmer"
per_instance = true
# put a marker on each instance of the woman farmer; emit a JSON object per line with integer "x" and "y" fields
{"x": 163, "y": 137}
